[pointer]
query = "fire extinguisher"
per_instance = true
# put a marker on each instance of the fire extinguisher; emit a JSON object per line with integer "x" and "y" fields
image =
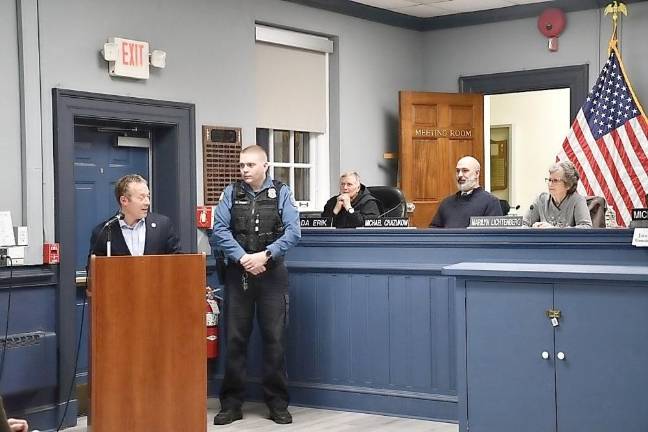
{"x": 212, "y": 313}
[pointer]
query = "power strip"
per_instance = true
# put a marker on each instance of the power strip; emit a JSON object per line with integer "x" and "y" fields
{"x": 3, "y": 257}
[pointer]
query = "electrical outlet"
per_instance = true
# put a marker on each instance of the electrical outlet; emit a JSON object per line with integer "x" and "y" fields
{"x": 3, "y": 257}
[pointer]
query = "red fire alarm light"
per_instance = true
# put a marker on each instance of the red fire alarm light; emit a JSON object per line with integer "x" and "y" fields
{"x": 551, "y": 24}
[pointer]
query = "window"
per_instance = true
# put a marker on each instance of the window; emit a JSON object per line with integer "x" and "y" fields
{"x": 292, "y": 92}
{"x": 293, "y": 160}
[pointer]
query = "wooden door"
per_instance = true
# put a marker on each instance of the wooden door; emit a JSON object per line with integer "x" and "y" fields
{"x": 436, "y": 130}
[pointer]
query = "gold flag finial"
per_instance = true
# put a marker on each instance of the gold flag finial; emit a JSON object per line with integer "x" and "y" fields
{"x": 615, "y": 8}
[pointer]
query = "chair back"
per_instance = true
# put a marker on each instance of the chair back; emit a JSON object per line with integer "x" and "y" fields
{"x": 392, "y": 200}
{"x": 597, "y": 207}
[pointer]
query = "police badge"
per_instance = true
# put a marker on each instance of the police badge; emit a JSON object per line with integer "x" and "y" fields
{"x": 272, "y": 193}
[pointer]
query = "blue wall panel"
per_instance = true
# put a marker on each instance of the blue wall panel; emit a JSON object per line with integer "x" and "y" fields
{"x": 372, "y": 318}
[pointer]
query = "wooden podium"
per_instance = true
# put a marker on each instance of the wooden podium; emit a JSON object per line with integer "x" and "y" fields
{"x": 148, "y": 368}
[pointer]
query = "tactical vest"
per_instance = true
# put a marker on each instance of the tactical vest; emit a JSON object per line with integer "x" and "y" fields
{"x": 256, "y": 222}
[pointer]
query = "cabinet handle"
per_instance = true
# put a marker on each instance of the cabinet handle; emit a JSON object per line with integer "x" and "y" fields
{"x": 560, "y": 355}
{"x": 545, "y": 355}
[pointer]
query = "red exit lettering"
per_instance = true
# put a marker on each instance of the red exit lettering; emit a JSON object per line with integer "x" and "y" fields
{"x": 132, "y": 54}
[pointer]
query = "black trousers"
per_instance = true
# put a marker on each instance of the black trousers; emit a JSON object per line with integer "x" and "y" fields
{"x": 266, "y": 297}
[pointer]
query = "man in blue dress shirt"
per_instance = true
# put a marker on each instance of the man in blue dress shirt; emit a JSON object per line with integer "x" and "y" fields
{"x": 255, "y": 224}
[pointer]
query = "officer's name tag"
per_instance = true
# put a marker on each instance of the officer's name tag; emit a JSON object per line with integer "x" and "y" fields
{"x": 495, "y": 222}
{"x": 317, "y": 222}
{"x": 386, "y": 223}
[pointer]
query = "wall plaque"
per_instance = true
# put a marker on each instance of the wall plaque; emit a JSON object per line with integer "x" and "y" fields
{"x": 433, "y": 132}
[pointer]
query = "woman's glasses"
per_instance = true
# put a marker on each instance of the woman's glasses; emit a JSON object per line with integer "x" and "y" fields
{"x": 552, "y": 181}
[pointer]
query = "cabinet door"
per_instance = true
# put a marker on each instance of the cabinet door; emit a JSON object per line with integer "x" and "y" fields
{"x": 602, "y": 384}
{"x": 510, "y": 386}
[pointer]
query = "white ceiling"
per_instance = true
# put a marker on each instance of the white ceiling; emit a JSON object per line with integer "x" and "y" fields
{"x": 431, "y": 8}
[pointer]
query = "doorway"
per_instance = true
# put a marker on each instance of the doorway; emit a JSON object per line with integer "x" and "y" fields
{"x": 170, "y": 167}
{"x": 568, "y": 80}
{"x": 527, "y": 130}
{"x": 99, "y": 161}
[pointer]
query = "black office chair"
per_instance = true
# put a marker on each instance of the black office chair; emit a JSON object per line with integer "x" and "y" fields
{"x": 392, "y": 200}
{"x": 506, "y": 207}
{"x": 597, "y": 207}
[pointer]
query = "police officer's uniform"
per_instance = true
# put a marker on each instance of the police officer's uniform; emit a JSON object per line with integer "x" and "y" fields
{"x": 249, "y": 222}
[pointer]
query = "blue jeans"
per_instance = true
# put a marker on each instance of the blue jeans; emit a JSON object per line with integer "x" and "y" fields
{"x": 267, "y": 297}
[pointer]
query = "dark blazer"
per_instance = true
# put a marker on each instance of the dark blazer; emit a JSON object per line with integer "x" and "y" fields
{"x": 160, "y": 238}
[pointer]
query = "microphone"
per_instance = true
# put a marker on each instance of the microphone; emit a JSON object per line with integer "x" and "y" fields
{"x": 119, "y": 216}
{"x": 391, "y": 209}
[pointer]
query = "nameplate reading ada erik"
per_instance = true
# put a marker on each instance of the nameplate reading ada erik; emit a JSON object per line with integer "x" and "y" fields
{"x": 316, "y": 222}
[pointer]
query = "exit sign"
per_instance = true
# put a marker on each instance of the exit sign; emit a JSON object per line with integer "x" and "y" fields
{"x": 131, "y": 58}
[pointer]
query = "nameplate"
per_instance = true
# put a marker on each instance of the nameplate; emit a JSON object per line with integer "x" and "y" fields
{"x": 315, "y": 222}
{"x": 640, "y": 214}
{"x": 386, "y": 223}
{"x": 640, "y": 237}
{"x": 495, "y": 222}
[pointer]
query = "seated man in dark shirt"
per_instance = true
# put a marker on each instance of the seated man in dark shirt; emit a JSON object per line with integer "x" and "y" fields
{"x": 354, "y": 203}
{"x": 471, "y": 200}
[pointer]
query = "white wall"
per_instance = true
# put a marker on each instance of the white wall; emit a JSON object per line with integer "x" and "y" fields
{"x": 211, "y": 63}
{"x": 10, "y": 148}
{"x": 539, "y": 124}
{"x": 518, "y": 45}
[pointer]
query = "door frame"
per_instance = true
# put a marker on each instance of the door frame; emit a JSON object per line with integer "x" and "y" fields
{"x": 173, "y": 154}
{"x": 576, "y": 78}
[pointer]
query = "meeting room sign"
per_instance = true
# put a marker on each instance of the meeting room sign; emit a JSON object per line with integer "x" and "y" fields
{"x": 452, "y": 133}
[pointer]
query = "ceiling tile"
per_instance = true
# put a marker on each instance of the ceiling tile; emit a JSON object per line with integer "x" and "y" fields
{"x": 388, "y": 4}
{"x": 459, "y": 6}
{"x": 521, "y": 2}
{"x": 424, "y": 11}
{"x": 431, "y": 8}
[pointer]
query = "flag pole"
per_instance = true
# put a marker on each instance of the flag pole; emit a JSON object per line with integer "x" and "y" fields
{"x": 616, "y": 8}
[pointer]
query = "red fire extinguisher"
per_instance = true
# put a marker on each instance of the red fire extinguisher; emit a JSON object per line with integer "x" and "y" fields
{"x": 212, "y": 325}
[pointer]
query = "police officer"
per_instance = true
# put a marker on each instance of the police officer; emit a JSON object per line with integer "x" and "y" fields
{"x": 256, "y": 222}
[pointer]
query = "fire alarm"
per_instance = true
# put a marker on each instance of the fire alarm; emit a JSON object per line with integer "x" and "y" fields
{"x": 551, "y": 24}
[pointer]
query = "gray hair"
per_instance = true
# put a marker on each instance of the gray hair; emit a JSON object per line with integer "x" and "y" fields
{"x": 570, "y": 175}
{"x": 351, "y": 174}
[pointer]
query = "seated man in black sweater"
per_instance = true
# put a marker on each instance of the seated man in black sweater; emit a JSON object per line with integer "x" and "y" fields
{"x": 471, "y": 200}
{"x": 354, "y": 203}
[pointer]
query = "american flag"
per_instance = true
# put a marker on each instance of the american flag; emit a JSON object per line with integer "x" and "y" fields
{"x": 607, "y": 142}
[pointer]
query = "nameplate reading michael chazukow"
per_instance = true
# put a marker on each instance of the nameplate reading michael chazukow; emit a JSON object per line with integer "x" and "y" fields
{"x": 495, "y": 222}
{"x": 386, "y": 223}
{"x": 640, "y": 214}
{"x": 321, "y": 222}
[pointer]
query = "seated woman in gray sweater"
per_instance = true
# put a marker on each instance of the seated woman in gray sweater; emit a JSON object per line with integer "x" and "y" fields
{"x": 562, "y": 206}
